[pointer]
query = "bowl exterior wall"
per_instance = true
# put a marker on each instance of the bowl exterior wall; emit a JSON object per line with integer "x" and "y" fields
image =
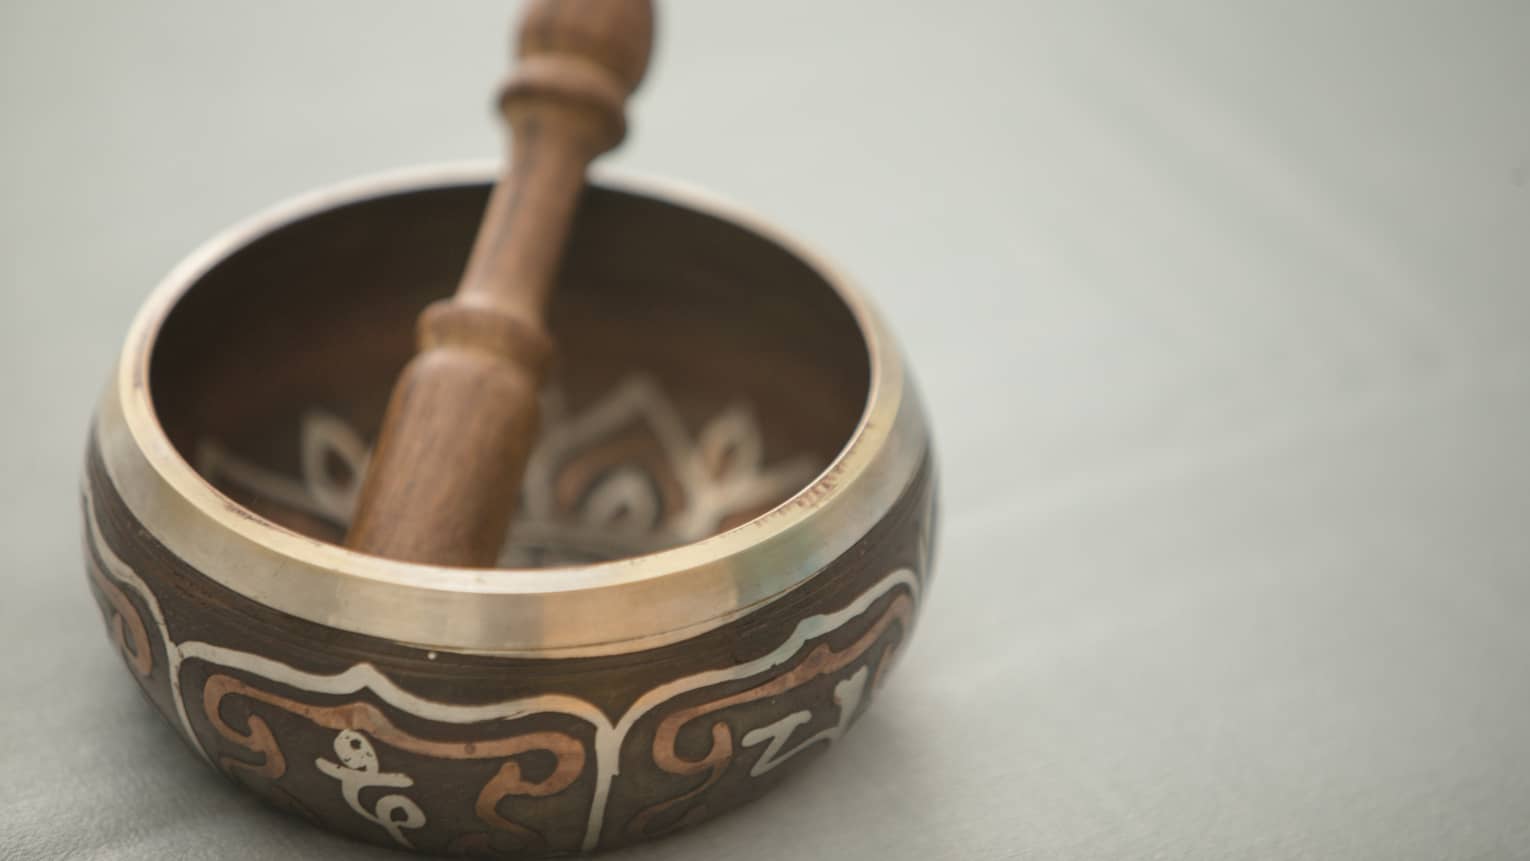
{"x": 505, "y": 755}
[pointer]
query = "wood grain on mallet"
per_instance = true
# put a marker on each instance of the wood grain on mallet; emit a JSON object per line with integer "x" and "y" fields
{"x": 443, "y": 481}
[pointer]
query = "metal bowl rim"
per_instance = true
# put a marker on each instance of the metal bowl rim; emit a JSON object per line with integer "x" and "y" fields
{"x": 609, "y": 607}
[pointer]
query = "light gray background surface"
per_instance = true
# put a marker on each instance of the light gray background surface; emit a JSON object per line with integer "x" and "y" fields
{"x": 1221, "y": 310}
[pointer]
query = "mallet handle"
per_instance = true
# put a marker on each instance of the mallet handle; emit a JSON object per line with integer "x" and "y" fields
{"x": 447, "y": 468}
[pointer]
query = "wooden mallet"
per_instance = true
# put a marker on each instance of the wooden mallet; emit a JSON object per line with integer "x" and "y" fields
{"x": 447, "y": 468}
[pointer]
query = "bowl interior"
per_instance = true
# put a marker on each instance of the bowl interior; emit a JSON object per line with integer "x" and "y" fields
{"x": 705, "y": 374}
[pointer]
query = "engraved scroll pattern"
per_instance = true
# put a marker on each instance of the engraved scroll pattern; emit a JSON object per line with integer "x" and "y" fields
{"x": 359, "y": 724}
{"x": 621, "y": 477}
{"x": 892, "y": 599}
{"x": 819, "y": 662}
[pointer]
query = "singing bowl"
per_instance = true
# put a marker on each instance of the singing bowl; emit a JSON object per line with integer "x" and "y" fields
{"x": 724, "y": 532}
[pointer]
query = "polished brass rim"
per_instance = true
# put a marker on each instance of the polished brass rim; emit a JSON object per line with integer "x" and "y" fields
{"x": 609, "y": 607}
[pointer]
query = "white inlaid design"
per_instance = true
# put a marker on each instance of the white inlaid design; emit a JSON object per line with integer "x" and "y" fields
{"x": 358, "y": 769}
{"x": 123, "y": 573}
{"x": 609, "y": 736}
{"x": 847, "y": 696}
{"x": 720, "y": 472}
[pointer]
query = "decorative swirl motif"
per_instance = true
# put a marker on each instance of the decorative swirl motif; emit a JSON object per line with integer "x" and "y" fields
{"x": 821, "y": 661}
{"x": 257, "y": 738}
{"x": 896, "y": 593}
{"x": 622, "y": 477}
{"x": 126, "y": 625}
{"x": 99, "y": 552}
{"x": 356, "y": 718}
{"x": 693, "y": 488}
